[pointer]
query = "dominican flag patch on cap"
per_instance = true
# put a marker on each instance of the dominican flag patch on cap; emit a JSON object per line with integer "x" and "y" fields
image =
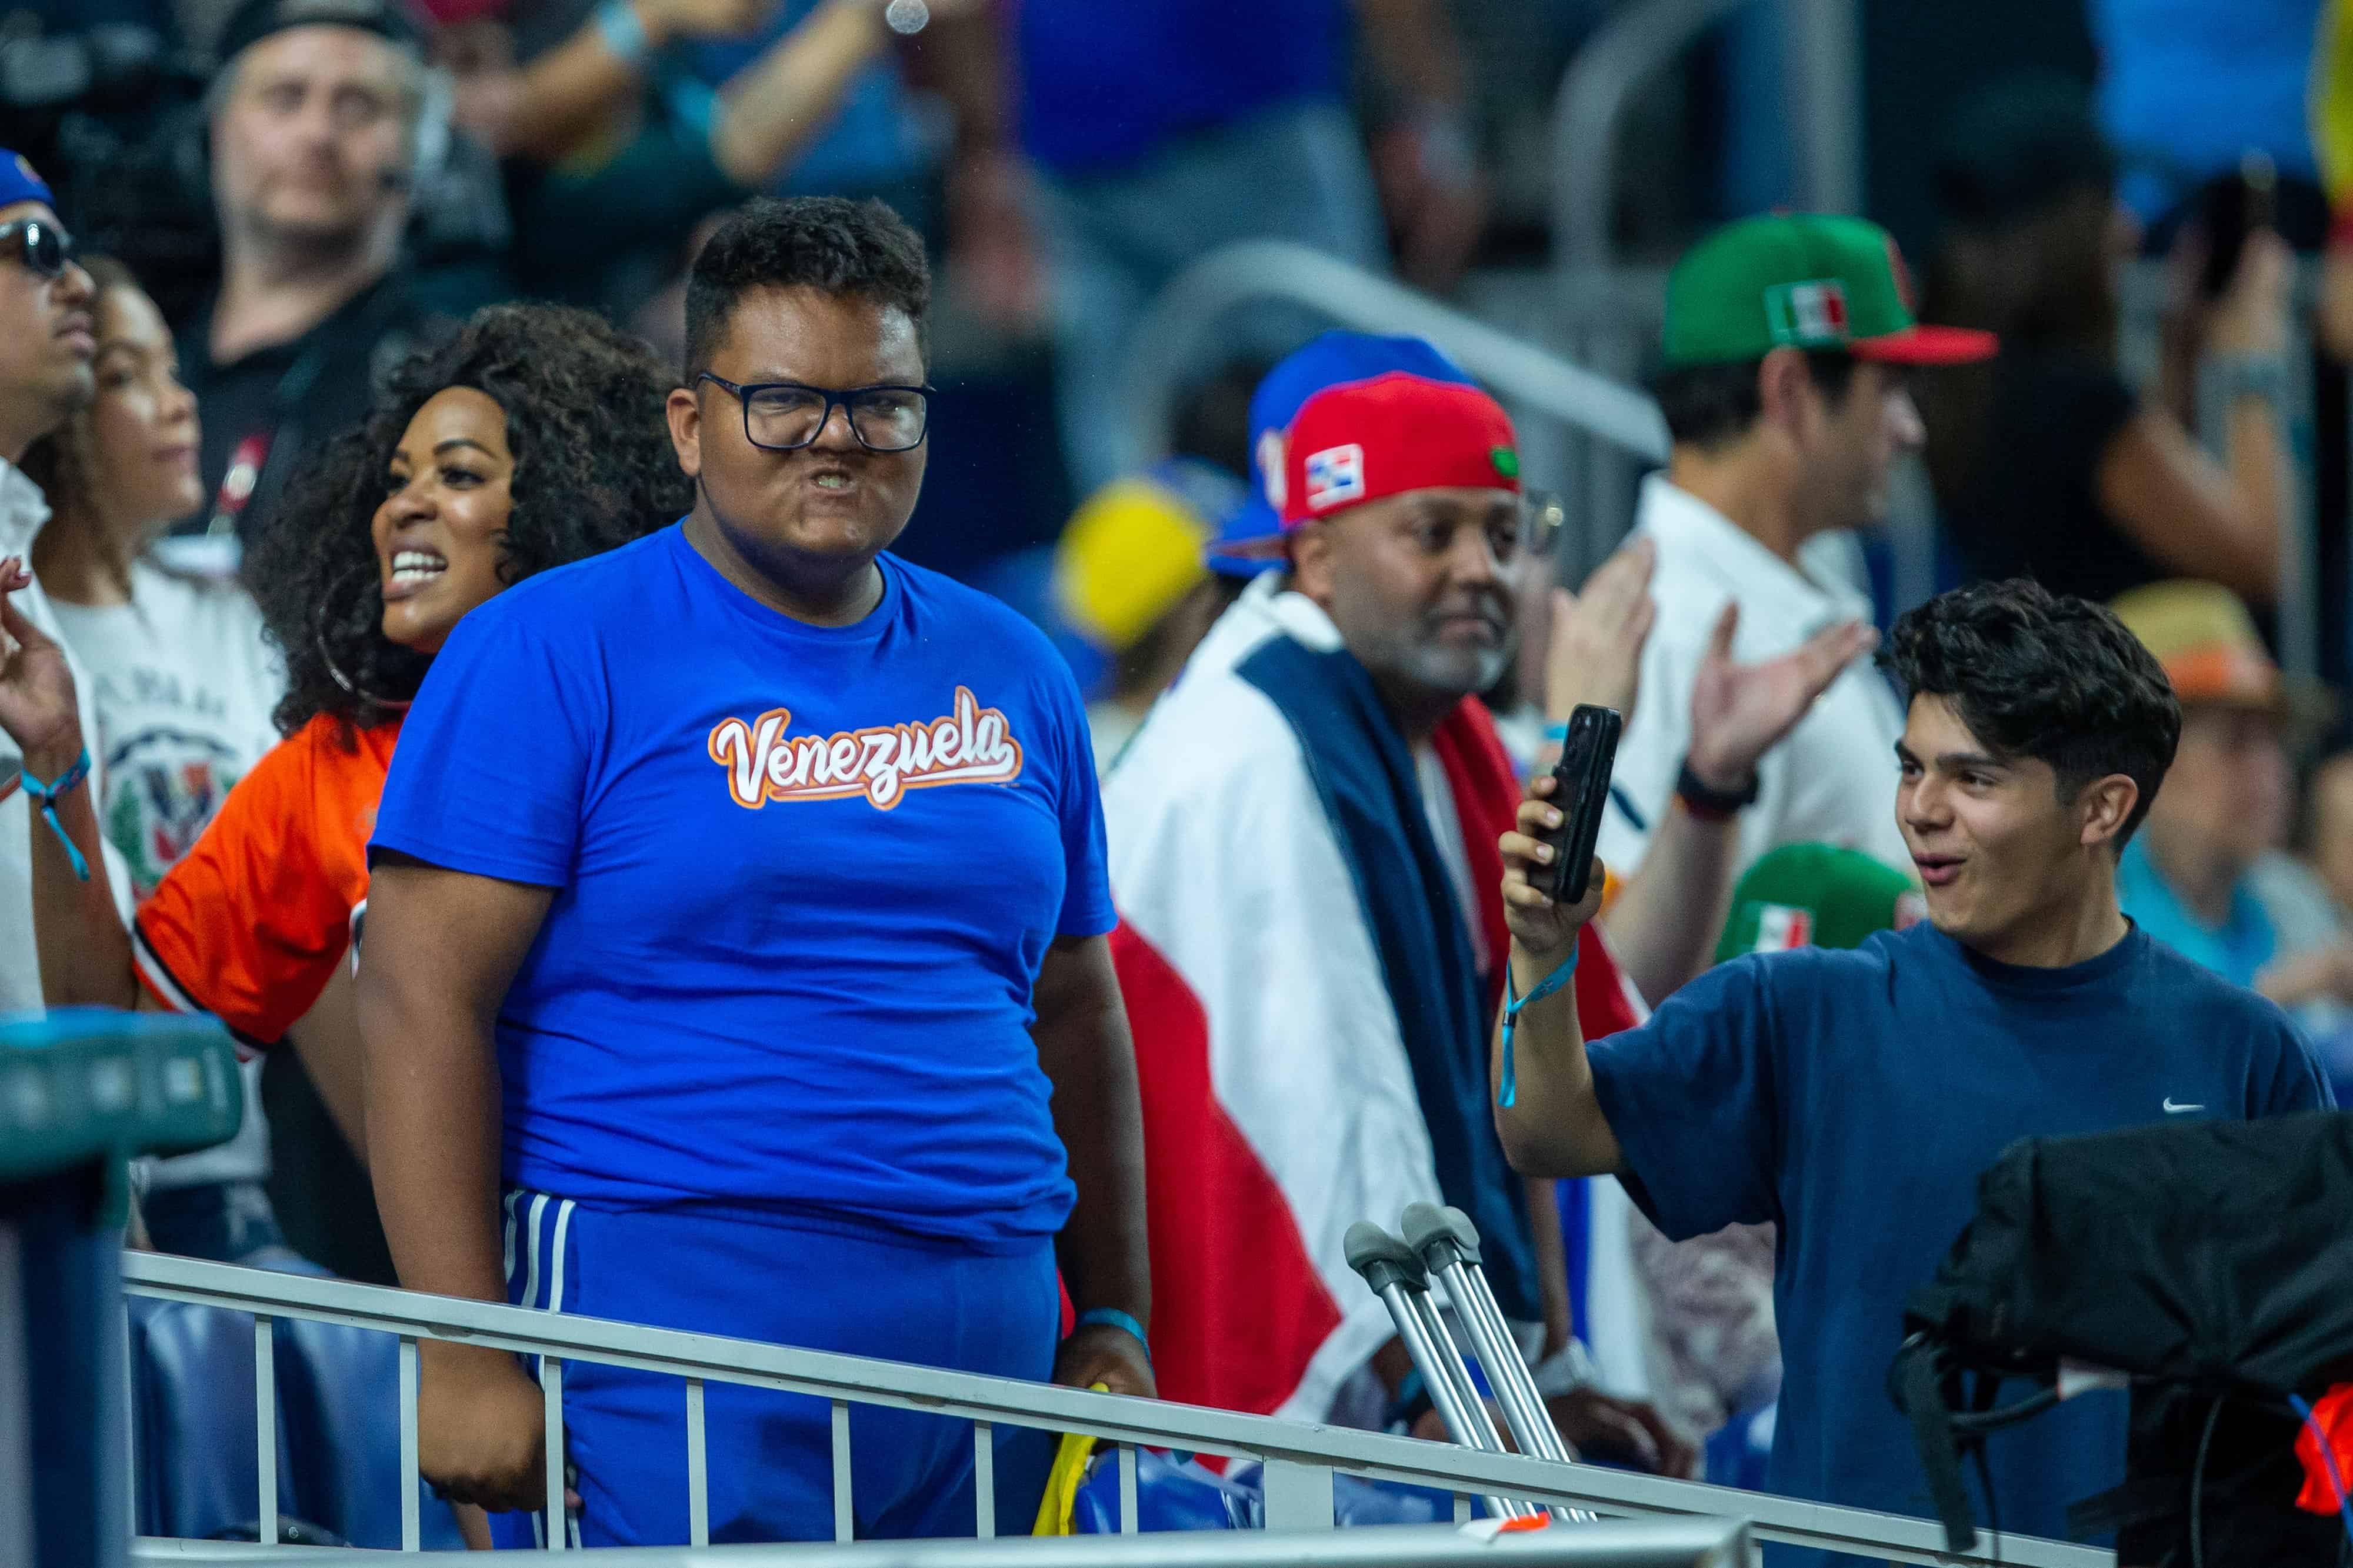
{"x": 1812, "y": 313}
{"x": 1336, "y": 476}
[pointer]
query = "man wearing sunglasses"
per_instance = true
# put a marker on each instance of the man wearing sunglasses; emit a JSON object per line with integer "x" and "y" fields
{"x": 756, "y": 878}
{"x": 47, "y": 338}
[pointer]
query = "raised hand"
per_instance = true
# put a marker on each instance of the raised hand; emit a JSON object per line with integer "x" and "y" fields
{"x": 1595, "y": 654}
{"x": 37, "y": 690}
{"x": 1740, "y": 712}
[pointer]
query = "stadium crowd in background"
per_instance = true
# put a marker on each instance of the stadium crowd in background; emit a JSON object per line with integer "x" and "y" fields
{"x": 740, "y": 810}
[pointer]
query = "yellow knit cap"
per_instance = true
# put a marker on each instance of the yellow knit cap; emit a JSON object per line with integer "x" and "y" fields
{"x": 1130, "y": 552}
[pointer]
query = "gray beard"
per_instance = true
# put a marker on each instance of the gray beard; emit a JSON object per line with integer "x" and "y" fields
{"x": 1458, "y": 672}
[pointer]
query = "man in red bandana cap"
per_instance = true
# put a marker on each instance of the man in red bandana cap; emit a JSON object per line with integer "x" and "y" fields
{"x": 1303, "y": 847}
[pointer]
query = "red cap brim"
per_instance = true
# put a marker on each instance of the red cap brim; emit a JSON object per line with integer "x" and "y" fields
{"x": 1928, "y": 345}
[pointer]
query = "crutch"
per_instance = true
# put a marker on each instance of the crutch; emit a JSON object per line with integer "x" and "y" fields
{"x": 1396, "y": 1277}
{"x": 1446, "y": 1242}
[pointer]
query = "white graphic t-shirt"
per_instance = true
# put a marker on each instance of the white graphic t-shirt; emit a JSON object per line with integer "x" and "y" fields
{"x": 182, "y": 684}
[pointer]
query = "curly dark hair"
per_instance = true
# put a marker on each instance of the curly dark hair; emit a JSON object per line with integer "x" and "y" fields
{"x": 593, "y": 468}
{"x": 2051, "y": 677}
{"x": 827, "y": 243}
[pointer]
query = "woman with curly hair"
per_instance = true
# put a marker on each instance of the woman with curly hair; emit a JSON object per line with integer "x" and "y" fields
{"x": 534, "y": 437}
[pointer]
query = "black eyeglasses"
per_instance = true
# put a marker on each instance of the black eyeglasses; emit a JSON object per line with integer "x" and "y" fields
{"x": 785, "y": 415}
{"x": 41, "y": 244}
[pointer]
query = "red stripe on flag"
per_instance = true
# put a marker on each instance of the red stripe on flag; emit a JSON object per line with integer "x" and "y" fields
{"x": 1238, "y": 1308}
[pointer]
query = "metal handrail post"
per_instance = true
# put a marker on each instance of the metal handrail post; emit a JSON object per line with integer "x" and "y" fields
{"x": 1600, "y": 79}
{"x": 1260, "y": 270}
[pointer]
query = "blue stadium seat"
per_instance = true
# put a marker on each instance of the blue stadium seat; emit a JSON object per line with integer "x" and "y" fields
{"x": 1170, "y": 1494}
{"x": 193, "y": 1416}
{"x": 339, "y": 1400}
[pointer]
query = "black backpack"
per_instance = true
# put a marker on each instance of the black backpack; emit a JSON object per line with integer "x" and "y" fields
{"x": 2211, "y": 1262}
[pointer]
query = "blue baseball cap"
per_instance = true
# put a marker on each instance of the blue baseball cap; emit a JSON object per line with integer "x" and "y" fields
{"x": 1252, "y": 539}
{"x": 19, "y": 182}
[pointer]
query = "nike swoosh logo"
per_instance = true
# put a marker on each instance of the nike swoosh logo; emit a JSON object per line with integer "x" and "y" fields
{"x": 2173, "y": 1109}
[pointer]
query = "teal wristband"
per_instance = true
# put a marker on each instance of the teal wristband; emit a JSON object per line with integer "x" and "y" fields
{"x": 1507, "y": 1087}
{"x": 44, "y": 799}
{"x": 1112, "y": 1318}
{"x": 1555, "y": 733}
{"x": 624, "y": 34}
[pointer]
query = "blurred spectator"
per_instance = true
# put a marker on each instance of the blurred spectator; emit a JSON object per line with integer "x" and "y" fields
{"x": 180, "y": 681}
{"x": 315, "y": 120}
{"x": 531, "y": 439}
{"x": 2332, "y": 125}
{"x": 1784, "y": 389}
{"x": 2208, "y": 876}
{"x": 653, "y": 109}
{"x": 2045, "y": 463}
{"x": 1131, "y": 576}
{"x": 1306, "y": 952}
{"x": 48, "y": 338}
{"x": 2187, "y": 89}
{"x": 2328, "y": 825}
{"x": 1165, "y": 128}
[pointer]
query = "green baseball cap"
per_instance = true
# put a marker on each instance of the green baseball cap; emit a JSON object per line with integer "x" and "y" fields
{"x": 1804, "y": 281}
{"x": 1816, "y": 895}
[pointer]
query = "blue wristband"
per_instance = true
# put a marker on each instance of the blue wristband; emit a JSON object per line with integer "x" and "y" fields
{"x": 1507, "y": 1088}
{"x": 1555, "y": 733}
{"x": 45, "y": 800}
{"x": 1112, "y": 1318}
{"x": 624, "y": 34}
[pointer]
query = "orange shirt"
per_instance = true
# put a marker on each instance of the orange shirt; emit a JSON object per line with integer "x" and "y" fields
{"x": 251, "y": 922}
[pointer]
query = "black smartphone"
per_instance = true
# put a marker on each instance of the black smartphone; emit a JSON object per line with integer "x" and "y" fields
{"x": 2230, "y": 209}
{"x": 1581, "y": 790}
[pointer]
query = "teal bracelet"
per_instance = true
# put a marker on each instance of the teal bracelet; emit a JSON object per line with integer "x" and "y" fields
{"x": 1508, "y": 1088}
{"x": 1112, "y": 1318}
{"x": 44, "y": 797}
{"x": 1555, "y": 733}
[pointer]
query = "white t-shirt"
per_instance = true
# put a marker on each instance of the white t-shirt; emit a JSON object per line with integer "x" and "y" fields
{"x": 182, "y": 684}
{"x": 22, "y": 514}
{"x": 1833, "y": 780}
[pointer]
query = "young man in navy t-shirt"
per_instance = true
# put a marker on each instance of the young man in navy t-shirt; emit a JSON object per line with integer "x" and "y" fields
{"x": 1853, "y": 1097}
{"x": 735, "y": 955}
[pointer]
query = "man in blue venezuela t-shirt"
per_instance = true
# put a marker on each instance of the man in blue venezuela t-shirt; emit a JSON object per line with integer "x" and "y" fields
{"x": 1853, "y": 1098}
{"x": 736, "y": 956}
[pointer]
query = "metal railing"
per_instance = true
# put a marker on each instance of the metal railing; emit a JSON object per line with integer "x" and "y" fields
{"x": 1299, "y": 1460}
{"x": 1649, "y": 1544}
{"x": 1820, "y": 72}
{"x": 1272, "y": 269}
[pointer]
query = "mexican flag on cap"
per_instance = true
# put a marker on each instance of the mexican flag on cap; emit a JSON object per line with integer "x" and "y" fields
{"x": 1806, "y": 281}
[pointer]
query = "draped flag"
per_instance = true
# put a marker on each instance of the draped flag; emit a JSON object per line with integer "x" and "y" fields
{"x": 1310, "y": 1007}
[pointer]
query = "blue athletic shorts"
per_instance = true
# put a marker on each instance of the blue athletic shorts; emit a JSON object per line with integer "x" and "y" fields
{"x": 770, "y": 1456}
